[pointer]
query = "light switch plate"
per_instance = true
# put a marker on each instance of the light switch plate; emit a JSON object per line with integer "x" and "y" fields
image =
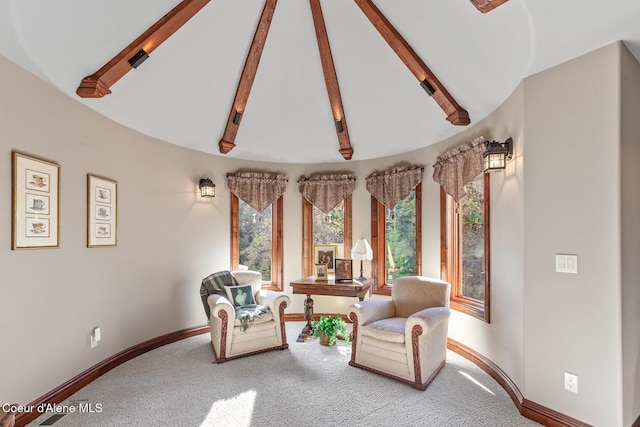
{"x": 567, "y": 263}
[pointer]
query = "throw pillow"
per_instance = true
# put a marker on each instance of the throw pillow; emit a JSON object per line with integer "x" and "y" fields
{"x": 240, "y": 295}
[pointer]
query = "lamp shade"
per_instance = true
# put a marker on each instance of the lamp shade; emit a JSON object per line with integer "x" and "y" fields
{"x": 362, "y": 250}
{"x": 495, "y": 161}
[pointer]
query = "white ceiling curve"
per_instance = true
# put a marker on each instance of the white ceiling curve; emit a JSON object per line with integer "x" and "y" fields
{"x": 183, "y": 93}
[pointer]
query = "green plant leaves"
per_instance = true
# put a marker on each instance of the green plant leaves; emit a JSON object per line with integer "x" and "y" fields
{"x": 331, "y": 326}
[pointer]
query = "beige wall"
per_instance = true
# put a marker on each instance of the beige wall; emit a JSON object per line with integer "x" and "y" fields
{"x": 630, "y": 222}
{"x": 502, "y": 339}
{"x": 572, "y": 205}
{"x": 169, "y": 239}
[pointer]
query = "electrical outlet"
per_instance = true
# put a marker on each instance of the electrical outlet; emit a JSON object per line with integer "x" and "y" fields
{"x": 571, "y": 382}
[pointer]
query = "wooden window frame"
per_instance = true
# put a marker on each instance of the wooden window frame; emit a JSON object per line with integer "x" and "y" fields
{"x": 277, "y": 265}
{"x": 379, "y": 240}
{"x": 307, "y": 233}
{"x": 450, "y": 260}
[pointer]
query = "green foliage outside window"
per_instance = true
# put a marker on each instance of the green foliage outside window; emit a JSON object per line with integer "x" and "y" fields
{"x": 401, "y": 239}
{"x": 255, "y": 239}
{"x": 472, "y": 215}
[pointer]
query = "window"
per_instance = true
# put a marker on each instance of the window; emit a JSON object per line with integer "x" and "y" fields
{"x": 321, "y": 229}
{"x": 465, "y": 247}
{"x": 396, "y": 237}
{"x": 256, "y": 240}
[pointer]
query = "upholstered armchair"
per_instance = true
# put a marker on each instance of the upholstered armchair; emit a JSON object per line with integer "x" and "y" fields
{"x": 236, "y": 332}
{"x": 404, "y": 338}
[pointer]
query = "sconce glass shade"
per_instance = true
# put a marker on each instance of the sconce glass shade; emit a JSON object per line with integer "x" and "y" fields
{"x": 207, "y": 188}
{"x": 496, "y": 155}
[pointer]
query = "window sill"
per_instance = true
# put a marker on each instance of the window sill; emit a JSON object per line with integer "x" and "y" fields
{"x": 270, "y": 286}
{"x": 472, "y": 309}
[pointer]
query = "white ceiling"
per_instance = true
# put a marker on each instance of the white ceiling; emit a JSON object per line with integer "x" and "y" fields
{"x": 183, "y": 93}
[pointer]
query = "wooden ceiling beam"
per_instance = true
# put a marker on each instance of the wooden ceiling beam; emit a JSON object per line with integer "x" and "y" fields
{"x": 485, "y": 6}
{"x": 455, "y": 113}
{"x": 331, "y": 80}
{"x": 99, "y": 83}
{"x": 227, "y": 143}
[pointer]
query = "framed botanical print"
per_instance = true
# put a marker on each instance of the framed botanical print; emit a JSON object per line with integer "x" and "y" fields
{"x": 35, "y": 203}
{"x": 102, "y": 212}
{"x": 325, "y": 254}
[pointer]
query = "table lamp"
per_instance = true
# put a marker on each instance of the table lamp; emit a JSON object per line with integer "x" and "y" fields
{"x": 361, "y": 251}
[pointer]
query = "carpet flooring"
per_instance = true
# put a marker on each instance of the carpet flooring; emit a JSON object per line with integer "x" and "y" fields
{"x": 306, "y": 385}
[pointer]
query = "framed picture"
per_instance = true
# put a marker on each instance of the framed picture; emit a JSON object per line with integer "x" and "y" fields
{"x": 344, "y": 269}
{"x": 102, "y": 212}
{"x": 325, "y": 254}
{"x": 35, "y": 203}
{"x": 321, "y": 272}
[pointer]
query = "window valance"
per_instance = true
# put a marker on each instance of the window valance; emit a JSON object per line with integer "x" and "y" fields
{"x": 326, "y": 191}
{"x": 458, "y": 166}
{"x": 257, "y": 189}
{"x": 393, "y": 185}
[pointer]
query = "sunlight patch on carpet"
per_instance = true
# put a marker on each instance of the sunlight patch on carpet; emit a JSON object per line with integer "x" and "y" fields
{"x": 476, "y": 382}
{"x": 345, "y": 350}
{"x": 236, "y": 411}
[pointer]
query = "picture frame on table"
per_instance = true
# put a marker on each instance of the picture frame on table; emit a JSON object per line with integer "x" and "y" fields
{"x": 35, "y": 203}
{"x": 321, "y": 272}
{"x": 343, "y": 270}
{"x": 325, "y": 254}
{"x": 102, "y": 211}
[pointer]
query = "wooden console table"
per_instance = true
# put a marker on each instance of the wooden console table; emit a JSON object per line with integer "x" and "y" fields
{"x": 309, "y": 286}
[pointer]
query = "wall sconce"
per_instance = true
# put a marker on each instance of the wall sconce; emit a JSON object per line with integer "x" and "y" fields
{"x": 339, "y": 126}
{"x": 496, "y": 155}
{"x": 427, "y": 87}
{"x": 361, "y": 251}
{"x": 138, "y": 58}
{"x": 207, "y": 188}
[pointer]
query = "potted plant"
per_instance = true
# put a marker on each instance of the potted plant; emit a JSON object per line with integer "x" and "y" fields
{"x": 328, "y": 329}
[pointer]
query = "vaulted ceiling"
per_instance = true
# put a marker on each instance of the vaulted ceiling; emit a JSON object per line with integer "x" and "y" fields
{"x": 314, "y": 81}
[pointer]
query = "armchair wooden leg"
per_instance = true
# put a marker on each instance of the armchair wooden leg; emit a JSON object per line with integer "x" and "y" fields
{"x": 354, "y": 338}
{"x": 222, "y": 357}
{"x": 283, "y": 331}
{"x": 415, "y": 343}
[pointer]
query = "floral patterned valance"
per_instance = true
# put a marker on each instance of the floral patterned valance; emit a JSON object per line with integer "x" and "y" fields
{"x": 326, "y": 191}
{"x": 459, "y": 166}
{"x": 393, "y": 185}
{"x": 257, "y": 189}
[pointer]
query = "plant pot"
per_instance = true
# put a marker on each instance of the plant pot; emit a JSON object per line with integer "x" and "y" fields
{"x": 324, "y": 340}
